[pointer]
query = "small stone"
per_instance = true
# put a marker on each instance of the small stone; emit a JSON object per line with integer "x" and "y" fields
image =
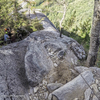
{"x": 73, "y": 44}
{"x": 74, "y": 72}
{"x": 95, "y": 98}
{"x": 44, "y": 82}
{"x": 31, "y": 90}
{"x": 40, "y": 94}
{"x": 43, "y": 87}
{"x": 97, "y": 82}
{"x": 49, "y": 49}
{"x": 30, "y": 96}
{"x": 36, "y": 89}
{"x": 50, "y": 96}
{"x": 88, "y": 94}
{"x": 99, "y": 88}
{"x": 76, "y": 99}
{"x": 94, "y": 86}
{"x": 46, "y": 94}
{"x": 51, "y": 52}
{"x": 40, "y": 85}
{"x": 53, "y": 86}
{"x": 72, "y": 60}
{"x": 35, "y": 98}
{"x": 55, "y": 65}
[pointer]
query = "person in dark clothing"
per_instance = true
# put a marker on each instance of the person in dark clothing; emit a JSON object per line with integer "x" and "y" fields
{"x": 9, "y": 33}
{"x": 6, "y": 37}
{"x": 19, "y": 35}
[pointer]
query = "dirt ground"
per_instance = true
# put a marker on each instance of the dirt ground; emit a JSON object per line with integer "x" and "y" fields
{"x": 61, "y": 74}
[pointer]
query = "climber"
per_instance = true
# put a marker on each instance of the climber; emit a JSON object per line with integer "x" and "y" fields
{"x": 9, "y": 33}
{"x": 6, "y": 38}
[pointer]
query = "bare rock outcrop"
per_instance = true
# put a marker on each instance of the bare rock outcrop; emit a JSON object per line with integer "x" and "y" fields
{"x": 24, "y": 64}
{"x": 86, "y": 86}
{"x": 74, "y": 88}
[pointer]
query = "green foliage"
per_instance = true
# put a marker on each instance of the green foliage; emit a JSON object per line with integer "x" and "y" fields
{"x": 79, "y": 33}
{"x": 35, "y": 25}
{"x": 38, "y": 2}
{"x": 82, "y": 33}
{"x": 84, "y": 29}
{"x": 69, "y": 21}
{"x": 10, "y": 17}
{"x": 77, "y": 22}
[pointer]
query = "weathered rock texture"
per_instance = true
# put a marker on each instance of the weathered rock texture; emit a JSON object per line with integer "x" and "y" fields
{"x": 74, "y": 88}
{"x": 24, "y": 64}
{"x": 86, "y": 86}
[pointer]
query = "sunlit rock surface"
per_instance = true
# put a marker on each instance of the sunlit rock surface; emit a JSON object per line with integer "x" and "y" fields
{"x": 24, "y": 64}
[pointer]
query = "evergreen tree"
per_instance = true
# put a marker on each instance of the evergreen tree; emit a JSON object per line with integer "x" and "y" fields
{"x": 11, "y": 16}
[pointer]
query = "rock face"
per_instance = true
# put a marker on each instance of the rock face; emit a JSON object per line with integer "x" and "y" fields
{"x": 40, "y": 67}
{"x": 84, "y": 87}
{"x": 53, "y": 86}
{"x": 76, "y": 87}
{"x": 24, "y": 64}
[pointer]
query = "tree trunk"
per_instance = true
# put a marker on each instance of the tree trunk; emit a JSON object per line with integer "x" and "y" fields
{"x": 94, "y": 39}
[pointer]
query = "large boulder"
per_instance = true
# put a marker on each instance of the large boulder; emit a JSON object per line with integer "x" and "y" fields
{"x": 75, "y": 88}
{"x": 86, "y": 86}
{"x": 25, "y": 63}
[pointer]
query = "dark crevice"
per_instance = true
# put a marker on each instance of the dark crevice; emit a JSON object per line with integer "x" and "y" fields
{"x": 23, "y": 78}
{"x": 54, "y": 96}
